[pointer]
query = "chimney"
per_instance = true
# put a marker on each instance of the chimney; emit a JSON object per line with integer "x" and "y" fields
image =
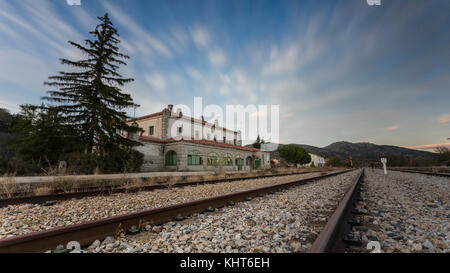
{"x": 179, "y": 112}
{"x": 170, "y": 107}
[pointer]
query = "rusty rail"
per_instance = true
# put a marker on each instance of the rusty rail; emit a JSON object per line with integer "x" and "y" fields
{"x": 331, "y": 237}
{"x": 86, "y": 233}
{"x": 95, "y": 191}
{"x": 426, "y": 173}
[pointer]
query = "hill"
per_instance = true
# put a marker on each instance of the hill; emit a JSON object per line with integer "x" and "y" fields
{"x": 363, "y": 151}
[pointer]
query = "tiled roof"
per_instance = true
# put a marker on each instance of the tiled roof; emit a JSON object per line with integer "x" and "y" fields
{"x": 174, "y": 115}
{"x": 204, "y": 142}
{"x": 147, "y": 116}
{"x": 152, "y": 139}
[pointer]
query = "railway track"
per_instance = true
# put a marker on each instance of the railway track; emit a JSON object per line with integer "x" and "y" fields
{"x": 426, "y": 173}
{"x": 334, "y": 237}
{"x": 88, "y": 232}
{"x": 79, "y": 193}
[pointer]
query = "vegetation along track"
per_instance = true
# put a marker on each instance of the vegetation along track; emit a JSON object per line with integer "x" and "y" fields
{"x": 78, "y": 193}
{"x": 88, "y": 232}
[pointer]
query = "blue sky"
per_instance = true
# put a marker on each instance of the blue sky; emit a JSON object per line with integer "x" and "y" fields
{"x": 340, "y": 70}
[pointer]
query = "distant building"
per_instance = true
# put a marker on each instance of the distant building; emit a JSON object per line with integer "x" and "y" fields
{"x": 173, "y": 141}
{"x": 316, "y": 161}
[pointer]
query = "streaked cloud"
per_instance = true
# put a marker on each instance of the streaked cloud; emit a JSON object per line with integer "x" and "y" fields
{"x": 444, "y": 118}
{"x": 156, "y": 81}
{"x": 429, "y": 147}
{"x": 338, "y": 71}
{"x": 391, "y": 128}
{"x": 217, "y": 57}
{"x": 142, "y": 39}
{"x": 201, "y": 36}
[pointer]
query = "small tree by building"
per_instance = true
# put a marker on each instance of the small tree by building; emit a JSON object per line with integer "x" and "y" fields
{"x": 294, "y": 154}
{"x": 258, "y": 142}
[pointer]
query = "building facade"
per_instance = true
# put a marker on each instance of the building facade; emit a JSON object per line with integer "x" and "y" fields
{"x": 172, "y": 141}
{"x": 316, "y": 161}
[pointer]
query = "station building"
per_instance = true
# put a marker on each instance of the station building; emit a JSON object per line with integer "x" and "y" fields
{"x": 172, "y": 141}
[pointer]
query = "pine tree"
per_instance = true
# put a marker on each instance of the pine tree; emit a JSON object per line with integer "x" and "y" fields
{"x": 90, "y": 99}
{"x": 39, "y": 136}
{"x": 258, "y": 142}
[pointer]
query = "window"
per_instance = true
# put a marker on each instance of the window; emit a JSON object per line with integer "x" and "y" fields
{"x": 227, "y": 161}
{"x": 208, "y": 136}
{"x": 215, "y": 138}
{"x": 179, "y": 130}
{"x": 213, "y": 160}
{"x": 197, "y": 135}
{"x": 195, "y": 158}
{"x": 224, "y": 140}
{"x": 239, "y": 160}
{"x": 151, "y": 130}
{"x": 234, "y": 141}
{"x": 171, "y": 158}
{"x": 249, "y": 161}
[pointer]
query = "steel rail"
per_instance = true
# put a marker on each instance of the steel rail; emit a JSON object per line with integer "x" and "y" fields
{"x": 86, "y": 233}
{"x": 93, "y": 191}
{"x": 425, "y": 173}
{"x": 330, "y": 239}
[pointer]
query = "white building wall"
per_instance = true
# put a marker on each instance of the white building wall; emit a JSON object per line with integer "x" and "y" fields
{"x": 318, "y": 160}
{"x": 174, "y": 123}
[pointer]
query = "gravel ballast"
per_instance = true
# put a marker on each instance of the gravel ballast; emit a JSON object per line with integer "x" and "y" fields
{"x": 287, "y": 221}
{"x": 406, "y": 212}
{"x": 24, "y": 219}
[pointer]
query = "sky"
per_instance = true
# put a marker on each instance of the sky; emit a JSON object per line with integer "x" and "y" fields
{"x": 339, "y": 70}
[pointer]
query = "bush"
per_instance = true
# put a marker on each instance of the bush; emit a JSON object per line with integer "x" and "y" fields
{"x": 294, "y": 154}
{"x": 336, "y": 162}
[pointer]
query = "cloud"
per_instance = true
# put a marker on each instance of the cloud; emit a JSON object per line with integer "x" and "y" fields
{"x": 73, "y": 2}
{"x": 259, "y": 114}
{"x": 443, "y": 118}
{"x": 286, "y": 61}
{"x": 141, "y": 39}
{"x": 217, "y": 57}
{"x": 391, "y": 128}
{"x": 429, "y": 147}
{"x": 201, "y": 37}
{"x": 194, "y": 73}
{"x": 178, "y": 39}
{"x": 156, "y": 81}
{"x": 12, "y": 107}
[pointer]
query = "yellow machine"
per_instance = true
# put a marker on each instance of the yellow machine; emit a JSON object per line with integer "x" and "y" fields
{"x": 351, "y": 162}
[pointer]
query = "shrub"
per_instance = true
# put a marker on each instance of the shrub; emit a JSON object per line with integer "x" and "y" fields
{"x": 294, "y": 154}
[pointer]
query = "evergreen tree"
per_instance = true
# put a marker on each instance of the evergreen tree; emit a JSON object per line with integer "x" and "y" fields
{"x": 90, "y": 99}
{"x": 258, "y": 142}
{"x": 40, "y": 138}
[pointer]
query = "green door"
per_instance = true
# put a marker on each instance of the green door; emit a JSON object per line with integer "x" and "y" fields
{"x": 257, "y": 164}
{"x": 239, "y": 163}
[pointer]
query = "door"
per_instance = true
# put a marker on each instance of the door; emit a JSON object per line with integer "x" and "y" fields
{"x": 239, "y": 163}
{"x": 257, "y": 164}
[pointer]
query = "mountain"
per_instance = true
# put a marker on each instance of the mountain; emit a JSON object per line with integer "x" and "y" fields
{"x": 370, "y": 151}
{"x": 361, "y": 151}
